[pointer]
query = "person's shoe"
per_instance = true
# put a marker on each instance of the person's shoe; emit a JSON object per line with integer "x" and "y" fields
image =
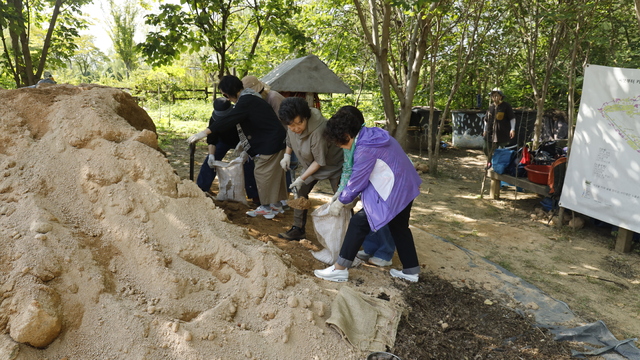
{"x": 332, "y": 274}
{"x": 262, "y": 210}
{"x": 379, "y": 262}
{"x": 276, "y": 209}
{"x": 295, "y": 233}
{"x": 363, "y": 255}
{"x": 399, "y": 274}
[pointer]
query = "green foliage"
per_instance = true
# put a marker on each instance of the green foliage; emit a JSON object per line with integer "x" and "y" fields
{"x": 122, "y": 30}
{"x": 38, "y": 34}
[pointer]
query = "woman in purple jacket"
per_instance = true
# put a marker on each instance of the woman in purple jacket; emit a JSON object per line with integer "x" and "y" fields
{"x": 385, "y": 179}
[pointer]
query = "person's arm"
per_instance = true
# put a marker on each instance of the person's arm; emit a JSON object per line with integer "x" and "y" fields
{"x": 360, "y": 173}
{"x": 511, "y": 115}
{"x": 305, "y": 175}
{"x": 310, "y": 170}
{"x": 285, "y": 163}
{"x": 512, "y": 133}
{"x": 201, "y": 135}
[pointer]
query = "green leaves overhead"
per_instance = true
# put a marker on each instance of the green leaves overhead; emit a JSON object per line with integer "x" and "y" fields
{"x": 219, "y": 25}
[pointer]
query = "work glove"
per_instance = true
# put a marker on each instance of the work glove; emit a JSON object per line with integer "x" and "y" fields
{"x": 335, "y": 208}
{"x": 196, "y": 137}
{"x": 286, "y": 162}
{"x": 297, "y": 184}
{"x": 211, "y": 160}
{"x": 335, "y": 196}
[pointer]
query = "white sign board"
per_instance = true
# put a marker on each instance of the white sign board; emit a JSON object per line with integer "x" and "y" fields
{"x": 603, "y": 174}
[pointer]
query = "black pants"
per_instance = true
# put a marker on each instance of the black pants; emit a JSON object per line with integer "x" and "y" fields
{"x": 403, "y": 238}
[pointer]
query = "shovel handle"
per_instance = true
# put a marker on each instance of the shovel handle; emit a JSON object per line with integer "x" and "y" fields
{"x": 192, "y": 155}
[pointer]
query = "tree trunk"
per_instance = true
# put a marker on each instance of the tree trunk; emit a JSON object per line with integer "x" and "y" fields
{"x": 47, "y": 40}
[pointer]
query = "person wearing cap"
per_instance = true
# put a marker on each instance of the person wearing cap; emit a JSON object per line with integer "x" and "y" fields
{"x": 499, "y": 124}
{"x": 273, "y": 97}
{"x": 263, "y": 139}
{"x": 48, "y": 79}
{"x": 320, "y": 160}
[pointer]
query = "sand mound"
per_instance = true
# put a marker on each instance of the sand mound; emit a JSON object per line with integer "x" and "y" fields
{"x": 105, "y": 253}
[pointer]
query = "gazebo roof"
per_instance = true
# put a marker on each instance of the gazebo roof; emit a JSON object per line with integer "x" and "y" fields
{"x": 305, "y": 74}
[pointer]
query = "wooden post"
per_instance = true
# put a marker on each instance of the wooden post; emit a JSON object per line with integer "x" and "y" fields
{"x": 494, "y": 190}
{"x": 560, "y": 217}
{"x": 624, "y": 240}
{"x": 310, "y": 99}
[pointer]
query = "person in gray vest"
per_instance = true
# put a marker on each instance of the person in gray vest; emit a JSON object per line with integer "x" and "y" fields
{"x": 319, "y": 159}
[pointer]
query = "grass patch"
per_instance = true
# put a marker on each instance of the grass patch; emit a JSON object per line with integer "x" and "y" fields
{"x": 179, "y": 120}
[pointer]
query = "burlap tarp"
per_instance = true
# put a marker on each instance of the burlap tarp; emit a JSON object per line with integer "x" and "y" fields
{"x": 367, "y": 323}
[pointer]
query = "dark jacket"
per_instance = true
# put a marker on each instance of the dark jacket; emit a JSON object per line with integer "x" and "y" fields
{"x": 259, "y": 122}
{"x": 499, "y": 122}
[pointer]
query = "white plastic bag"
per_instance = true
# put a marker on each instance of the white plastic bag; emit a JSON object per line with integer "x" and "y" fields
{"x": 330, "y": 231}
{"x": 231, "y": 180}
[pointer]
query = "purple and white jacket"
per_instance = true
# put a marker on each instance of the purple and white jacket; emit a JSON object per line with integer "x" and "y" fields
{"x": 383, "y": 174}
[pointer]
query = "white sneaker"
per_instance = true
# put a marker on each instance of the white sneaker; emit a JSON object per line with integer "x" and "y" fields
{"x": 262, "y": 210}
{"x": 276, "y": 209}
{"x": 399, "y": 274}
{"x": 332, "y": 274}
{"x": 379, "y": 262}
{"x": 363, "y": 255}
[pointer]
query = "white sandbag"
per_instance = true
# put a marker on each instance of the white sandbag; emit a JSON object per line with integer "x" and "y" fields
{"x": 231, "y": 180}
{"x": 330, "y": 231}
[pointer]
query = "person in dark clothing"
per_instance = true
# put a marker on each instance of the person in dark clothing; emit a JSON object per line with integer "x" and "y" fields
{"x": 263, "y": 139}
{"x": 219, "y": 145}
{"x": 499, "y": 124}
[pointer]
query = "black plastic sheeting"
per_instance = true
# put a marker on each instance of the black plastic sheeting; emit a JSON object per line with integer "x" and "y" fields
{"x": 552, "y": 313}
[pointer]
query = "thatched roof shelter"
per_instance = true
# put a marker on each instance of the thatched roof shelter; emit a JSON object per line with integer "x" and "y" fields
{"x": 307, "y": 74}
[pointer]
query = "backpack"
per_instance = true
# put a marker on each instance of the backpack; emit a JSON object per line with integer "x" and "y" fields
{"x": 556, "y": 176}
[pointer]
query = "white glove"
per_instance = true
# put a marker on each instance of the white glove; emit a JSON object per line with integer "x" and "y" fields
{"x": 335, "y": 208}
{"x": 196, "y": 137}
{"x": 211, "y": 160}
{"x": 335, "y": 196}
{"x": 297, "y": 184}
{"x": 285, "y": 162}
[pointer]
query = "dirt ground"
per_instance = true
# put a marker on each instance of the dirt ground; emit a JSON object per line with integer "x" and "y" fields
{"x": 109, "y": 251}
{"x": 575, "y": 266}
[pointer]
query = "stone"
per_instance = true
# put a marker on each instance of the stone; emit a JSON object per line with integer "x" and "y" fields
{"x": 37, "y": 320}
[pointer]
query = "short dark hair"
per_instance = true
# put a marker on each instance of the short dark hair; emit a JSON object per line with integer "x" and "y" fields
{"x": 348, "y": 120}
{"x": 230, "y": 85}
{"x": 292, "y": 107}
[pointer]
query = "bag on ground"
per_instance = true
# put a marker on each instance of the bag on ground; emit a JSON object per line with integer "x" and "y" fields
{"x": 330, "y": 232}
{"x": 231, "y": 180}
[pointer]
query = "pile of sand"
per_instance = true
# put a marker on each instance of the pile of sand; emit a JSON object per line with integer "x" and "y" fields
{"x": 105, "y": 253}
